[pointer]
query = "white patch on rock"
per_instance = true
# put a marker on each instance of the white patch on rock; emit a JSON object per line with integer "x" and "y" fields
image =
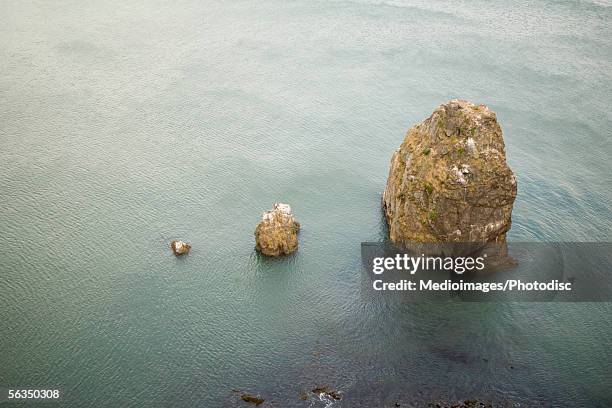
{"x": 489, "y": 151}
{"x": 459, "y": 175}
{"x": 284, "y": 208}
{"x": 408, "y": 159}
{"x": 493, "y": 226}
{"x": 471, "y": 145}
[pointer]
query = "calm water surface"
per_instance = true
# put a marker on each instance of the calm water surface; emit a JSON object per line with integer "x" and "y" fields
{"x": 124, "y": 125}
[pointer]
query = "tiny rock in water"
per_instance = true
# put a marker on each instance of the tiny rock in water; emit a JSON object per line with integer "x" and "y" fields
{"x": 179, "y": 247}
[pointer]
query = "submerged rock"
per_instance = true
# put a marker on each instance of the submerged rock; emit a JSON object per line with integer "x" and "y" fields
{"x": 179, "y": 247}
{"x": 257, "y": 400}
{"x": 449, "y": 180}
{"x": 250, "y": 398}
{"x": 276, "y": 233}
{"x": 461, "y": 404}
{"x": 325, "y": 391}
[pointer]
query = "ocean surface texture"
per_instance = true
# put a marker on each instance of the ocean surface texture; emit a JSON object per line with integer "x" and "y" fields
{"x": 127, "y": 124}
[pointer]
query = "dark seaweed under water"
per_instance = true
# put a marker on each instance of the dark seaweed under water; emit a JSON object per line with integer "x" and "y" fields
{"x": 124, "y": 125}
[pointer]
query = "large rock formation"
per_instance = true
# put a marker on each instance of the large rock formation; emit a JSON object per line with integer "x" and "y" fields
{"x": 276, "y": 233}
{"x": 449, "y": 181}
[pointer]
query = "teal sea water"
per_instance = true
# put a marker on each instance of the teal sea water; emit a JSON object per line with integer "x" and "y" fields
{"x": 124, "y": 125}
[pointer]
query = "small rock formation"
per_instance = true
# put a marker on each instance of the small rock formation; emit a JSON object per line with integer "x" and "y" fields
{"x": 179, "y": 247}
{"x": 276, "y": 233}
{"x": 449, "y": 181}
